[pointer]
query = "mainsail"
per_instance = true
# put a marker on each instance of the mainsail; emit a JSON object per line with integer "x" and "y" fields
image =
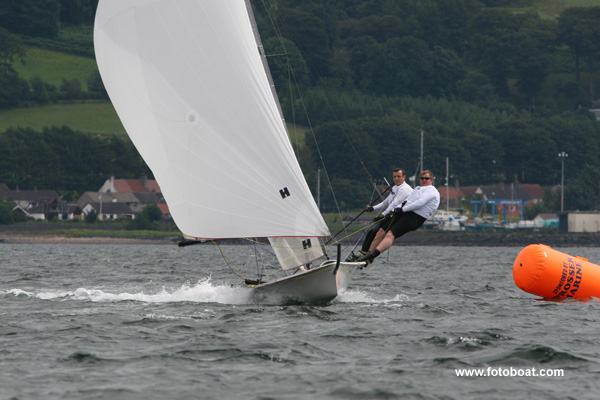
{"x": 188, "y": 83}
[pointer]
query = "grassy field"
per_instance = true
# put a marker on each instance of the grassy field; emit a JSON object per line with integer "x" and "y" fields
{"x": 92, "y": 117}
{"x": 52, "y": 67}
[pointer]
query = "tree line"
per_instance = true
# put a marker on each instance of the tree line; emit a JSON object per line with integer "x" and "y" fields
{"x": 446, "y": 48}
{"x": 65, "y": 160}
{"x": 44, "y": 18}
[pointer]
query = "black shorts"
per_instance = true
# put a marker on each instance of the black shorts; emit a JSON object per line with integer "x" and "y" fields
{"x": 406, "y": 222}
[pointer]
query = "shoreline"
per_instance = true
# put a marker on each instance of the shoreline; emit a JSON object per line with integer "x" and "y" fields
{"x": 58, "y": 239}
{"x": 418, "y": 238}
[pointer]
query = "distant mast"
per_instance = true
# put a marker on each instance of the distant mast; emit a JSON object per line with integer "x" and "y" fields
{"x": 447, "y": 186}
{"x": 422, "y": 166}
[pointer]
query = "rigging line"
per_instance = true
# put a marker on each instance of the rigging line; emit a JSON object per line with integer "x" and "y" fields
{"x": 258, "y": 268}
{"x": 274, "y": 23}
{"x": 311, "y": 129}
{"x": 279, "y": 36}
{"x": 295, "y": 80}
{"x": 361, "y": 213}
{"x": 373, "y": 195}
{"x": 296, "y": 142}
{"x": 337, "y": 206}
{"x": 353, "y": 243}
{"x": 416, "y": 173}
{"x": 227, "y": 260}
{"x": 231, "y": 264}
{"x": 276, "y": 55}
{"x": 277, "y": 29}
{"x": 364, "y": 229}
{"x": 280, "y": 268}
{"x": 329, "y": 107}
{"x": 371, "y": 179}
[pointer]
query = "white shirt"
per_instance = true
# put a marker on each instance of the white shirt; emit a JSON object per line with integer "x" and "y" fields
{"x": 424, "y": 200}
{"x": 394, "y": 200}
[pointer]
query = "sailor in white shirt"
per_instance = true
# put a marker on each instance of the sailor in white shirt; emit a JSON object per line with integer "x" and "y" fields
{"x": 399, "y": 192}
{"x": 422, "y": 202}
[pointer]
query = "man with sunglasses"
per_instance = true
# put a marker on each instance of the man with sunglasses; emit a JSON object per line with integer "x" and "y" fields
{"x": 420, "y": 205}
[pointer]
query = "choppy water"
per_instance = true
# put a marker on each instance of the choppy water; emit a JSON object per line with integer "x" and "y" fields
{"x": 158, "y": 322}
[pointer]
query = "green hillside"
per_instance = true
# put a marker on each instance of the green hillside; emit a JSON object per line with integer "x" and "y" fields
{"x": 93, "y": 117}
{"x": 52, "y": 66}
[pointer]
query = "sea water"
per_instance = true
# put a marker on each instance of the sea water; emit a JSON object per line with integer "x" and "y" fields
{"x": 83, "y": 321}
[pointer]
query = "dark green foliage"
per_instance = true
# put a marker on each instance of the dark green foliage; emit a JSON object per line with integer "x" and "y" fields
{"x": 484, "y": 146}
{"x": 75, "y": 12}
{"x": 309, "y": 34}
{"x": 13, "y": 89}
{"x": 11, "y": 49}
{"x": 152, "y": 212}
{"x": 42, "y": 92}
{"x": 96, "y": 89}
{"x": 31, "y": 17}
{"x": 63, "y": 159}
{"x": 71, "y": 89}
{"x": 476, "y": 88}
{"x": 6, "y": 213}
{"x": 91, "y": 217}
{"x": 39, "y": 91}
{"x": 19, "y": 216}
{"x": 349, "y": 194}
{"x": 148, "y": 219}
{"x": 580, "y": 30}
{"x": 43, "y": 18}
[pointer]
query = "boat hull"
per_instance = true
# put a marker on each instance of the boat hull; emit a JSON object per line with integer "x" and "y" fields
{"x": 315, "y": 286}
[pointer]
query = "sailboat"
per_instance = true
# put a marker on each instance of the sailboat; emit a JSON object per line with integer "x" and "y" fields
{"x": 191, "y": 85}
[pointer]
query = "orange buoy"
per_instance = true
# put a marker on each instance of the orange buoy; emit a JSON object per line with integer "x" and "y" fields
{"x": 545, "y": 272}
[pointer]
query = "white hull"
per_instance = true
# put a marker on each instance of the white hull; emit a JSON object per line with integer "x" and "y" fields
{"x": 315, "y": 286}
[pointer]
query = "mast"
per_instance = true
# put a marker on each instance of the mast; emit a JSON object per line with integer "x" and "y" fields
{"x": 319, "y": 188}
{"x": 447, "y": 186}
{"x": 422, "y": 166}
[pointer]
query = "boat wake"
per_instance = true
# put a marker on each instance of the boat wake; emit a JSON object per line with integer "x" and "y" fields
{"x": 202, "y": 292}
{"x": 358, "y": 296}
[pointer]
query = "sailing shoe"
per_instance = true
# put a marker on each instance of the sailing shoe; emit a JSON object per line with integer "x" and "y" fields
{"x": 351, "y": 257}
{"x": 366, "y": 257}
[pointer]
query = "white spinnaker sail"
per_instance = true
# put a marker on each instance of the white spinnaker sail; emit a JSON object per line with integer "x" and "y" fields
{"x": 187, "y": 81}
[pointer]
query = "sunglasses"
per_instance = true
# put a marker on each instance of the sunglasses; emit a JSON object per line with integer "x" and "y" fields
{"x": 424, "y": 178}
